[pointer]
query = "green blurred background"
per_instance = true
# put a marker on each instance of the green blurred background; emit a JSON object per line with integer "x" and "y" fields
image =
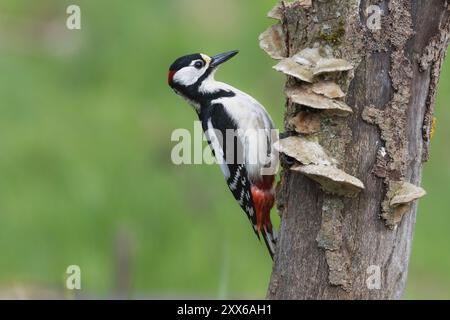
{"x": 85, "y": 173}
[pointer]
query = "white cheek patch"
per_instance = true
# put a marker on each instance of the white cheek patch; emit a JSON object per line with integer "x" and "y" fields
{"x": 187, "y": 76}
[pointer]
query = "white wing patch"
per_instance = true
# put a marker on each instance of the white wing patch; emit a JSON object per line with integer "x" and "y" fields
{"x": 255, "y": 129}
{"x": 215, "y": 145}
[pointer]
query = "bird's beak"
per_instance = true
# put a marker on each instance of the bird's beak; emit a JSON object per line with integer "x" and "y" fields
{"x": 221, "y": 58}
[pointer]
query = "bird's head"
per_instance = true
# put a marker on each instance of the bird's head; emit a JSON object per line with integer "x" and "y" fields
{"x": 187, "y": 73}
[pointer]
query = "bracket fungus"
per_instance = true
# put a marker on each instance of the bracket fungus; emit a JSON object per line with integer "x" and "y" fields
{"x": 316, "y": 91}
{"x": 306, "y": 66}
{"x": 320, "y": 61}
{"x": 323, "y": 95}
{"x": 317, "y": 165}
{"x": 406, "y": 193}
{"x": 290, "y": 67}
{"x": 402, "y": 195}
{"x": 303, "y": 150}
{"x": 276, "y": 12}
{"x": 306, "y": 96}
{"x": 325, "y": 65}
{"x": 308, "y": 56}
{"x": 332, "y": 179}
{"x": 272, "y": 42}
{"x": 328, "y": 89}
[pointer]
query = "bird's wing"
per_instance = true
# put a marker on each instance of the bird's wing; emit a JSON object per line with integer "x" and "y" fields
{"x": 256, "y": 131}
{"x": 233, "y": 167}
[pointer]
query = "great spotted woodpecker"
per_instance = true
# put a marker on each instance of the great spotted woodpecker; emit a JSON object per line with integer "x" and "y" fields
{"x": 246, "y": 160}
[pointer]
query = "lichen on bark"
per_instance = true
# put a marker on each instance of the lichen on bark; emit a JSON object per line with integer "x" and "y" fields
{"x": 329, "y": 239}
{"x": 392, "y": 118}
{"x": 431, "y": 59}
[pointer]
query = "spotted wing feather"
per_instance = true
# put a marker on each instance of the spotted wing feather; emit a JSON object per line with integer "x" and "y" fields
{"x": 216, "y": 125}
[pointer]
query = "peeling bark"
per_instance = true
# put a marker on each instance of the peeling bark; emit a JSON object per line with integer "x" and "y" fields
{"x": 387, "y": 79}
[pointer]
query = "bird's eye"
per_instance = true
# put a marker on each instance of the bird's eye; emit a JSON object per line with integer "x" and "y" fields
{"x": 198, "y": 64}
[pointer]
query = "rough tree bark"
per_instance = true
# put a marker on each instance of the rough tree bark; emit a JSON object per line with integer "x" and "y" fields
{"x": 358, "y": 120}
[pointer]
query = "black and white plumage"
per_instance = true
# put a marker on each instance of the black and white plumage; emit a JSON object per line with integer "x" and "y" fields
{"x": 239, "y": 131}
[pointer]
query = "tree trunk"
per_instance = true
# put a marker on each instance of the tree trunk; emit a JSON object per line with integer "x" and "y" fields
{"x": 351, "y": 177}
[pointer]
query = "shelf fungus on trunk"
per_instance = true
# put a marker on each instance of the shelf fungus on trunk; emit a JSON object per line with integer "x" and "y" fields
{"x": 306, "y": 95}
{"x": 319, "y": 97}
{"x": 315, "y": 163}
{"x": 399, "y": 199}
{"x": 305, "y": 151}
{"x": 328, "y": 89}
{"x": 291, "y": 68}
{"x": 272, "y": 41}
{"x": 315, "y": 89}
{"x": 311, "y": 63}
{"x": 332, "y": 179}
{"x": 325, "y": 65}
{"x": 276, "y": 12}
{"x": 320, "y": 60}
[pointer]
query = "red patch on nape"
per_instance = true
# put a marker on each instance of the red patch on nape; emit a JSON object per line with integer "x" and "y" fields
{"x": 170, "y": 76}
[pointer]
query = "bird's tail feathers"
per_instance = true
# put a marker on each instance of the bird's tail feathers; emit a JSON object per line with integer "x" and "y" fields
{"x": 263, "y": 201}
{"x": 270, "y": 238}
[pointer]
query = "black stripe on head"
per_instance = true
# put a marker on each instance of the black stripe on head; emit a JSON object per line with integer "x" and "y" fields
{"x": 192, "y": 91}
{"x": 185, "y": 61}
